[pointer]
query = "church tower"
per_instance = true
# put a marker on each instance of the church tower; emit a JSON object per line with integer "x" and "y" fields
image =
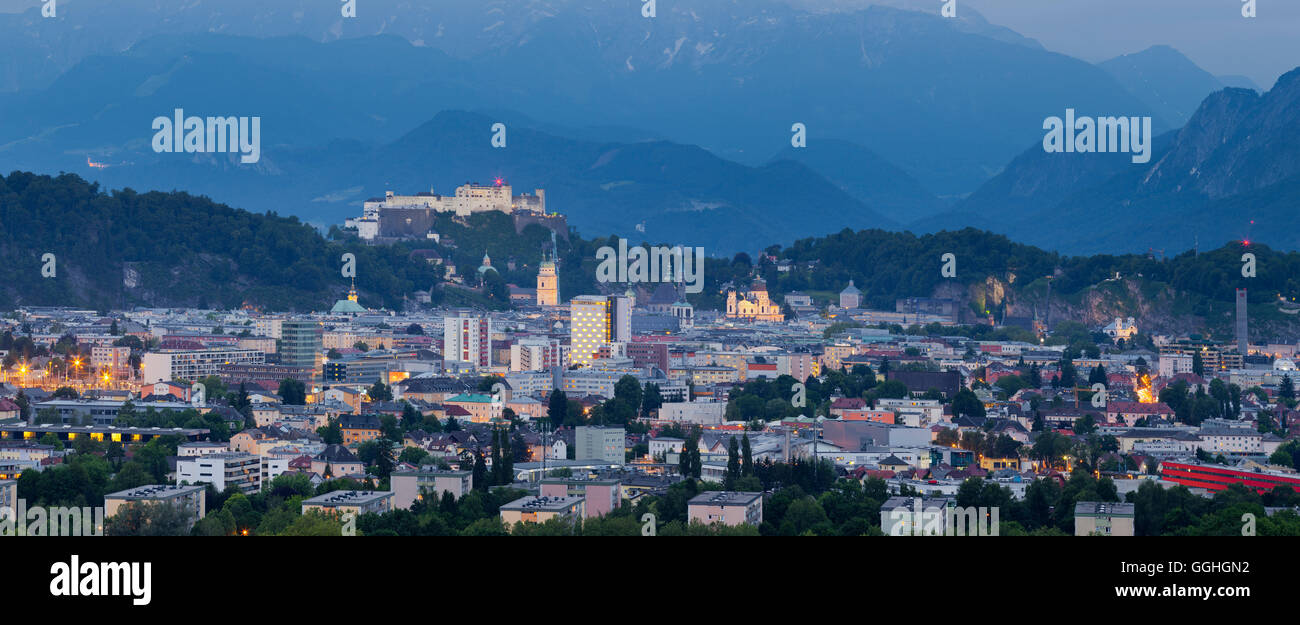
{"x": 548, "y": 293}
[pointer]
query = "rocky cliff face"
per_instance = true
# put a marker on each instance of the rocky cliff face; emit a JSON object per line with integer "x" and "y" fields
{"x": 1237, "y": 159}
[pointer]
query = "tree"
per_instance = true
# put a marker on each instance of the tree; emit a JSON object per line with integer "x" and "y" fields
{"x": 241, "y": 401}
{"x": 480, "y": 475}
{"x": 1085, "y": 424}
{"x": 65, "y": 392}
{"x": 507, "y": 459}
{"x": 623, "y": 407}
{"x": 1097, "y": 376}
{"x": 947, "y": 437}
{"x": 25, "y": 406}
{"x": 293, "y": 392}
{"x": 1067, "y": 377}
{"x": 413, "y": 455}
{"x": 965, "y": 403}
{"x": 415, "y": 329}
{"x": 377, "y": 452}
{"x": 496, "y": 456}
{"x": 747, "y": 459}
{"x": 557, "y": 408}
{"x": 331, "y": 433}
{"x": 651, "y": 400}
{"x": 733, "y": 464}
{"x": 689, "y": 464}
{"x": 1286, "y": 390}
{"x": 380, "y": 392}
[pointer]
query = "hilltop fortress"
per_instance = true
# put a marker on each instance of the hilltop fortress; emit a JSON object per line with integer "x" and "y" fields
{"x": 411, "y": 216}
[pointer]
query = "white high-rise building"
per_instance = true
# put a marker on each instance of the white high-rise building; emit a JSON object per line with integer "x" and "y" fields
{"x": 467, "y": 339}
{"x": 620, "y": 309}
{"x": 536, "y": 354}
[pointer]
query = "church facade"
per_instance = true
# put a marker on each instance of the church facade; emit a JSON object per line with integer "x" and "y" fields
{"x": 753, "y": 305}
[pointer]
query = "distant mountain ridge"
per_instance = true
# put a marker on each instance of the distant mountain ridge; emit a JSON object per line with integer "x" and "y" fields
{"x": 948, "y": 101}
{"x": 674, "y": 193}
{"x": 1233, "y": 172}
{"x": 1165, "y": 80}
{"x": 866, "y": 176}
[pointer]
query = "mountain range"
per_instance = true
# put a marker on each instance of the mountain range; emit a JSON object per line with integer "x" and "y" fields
{"x": 664, "y": 128}
{"x": 949, "y": 101}
{"x": 1231, "y": 173}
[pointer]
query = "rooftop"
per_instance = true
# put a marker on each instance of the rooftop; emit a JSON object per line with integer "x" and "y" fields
{"x": 347, "y": 498}
{"x": 1098, "y": 508}
{"x": 154, "y": 491}
{"x": 535, "y": 504}
{"x": 724, "y": 498}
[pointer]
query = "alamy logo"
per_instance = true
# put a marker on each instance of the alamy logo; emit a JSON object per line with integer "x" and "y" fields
{"x": 1103, "y": 134}
{"x": 102, "y": 579}
{"x": 241, "y": 135}
{"x": 49, "y": 266}
{"x": 943, "y": 521}
{"x": 56, "y": 521}
{"x": 498, "y": 395}
{"x": 653, "y": 264}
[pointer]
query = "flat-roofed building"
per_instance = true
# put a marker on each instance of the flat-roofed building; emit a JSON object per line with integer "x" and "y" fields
{"x": 114, "y": 359}
{"x": 726, "y": 507}
{"x": 192, "y": 364}
{"x": 301, "y": 344}
{"x": 200, "y": 448}
{"x": 695, "y": 412}
{"x": 602, "y": 496}
{"x": 468, "y": 339}
{"x": 222, "y": 471}
{"x": 8, "y": 493}
{"x": 69, "y": 433}
{"x": 535, "y": 509}
{"x": 1102, "y": 518}
{"x": 600, "y": 442}
{"x": 411, "y": 486}
{"x": 100, "y": 412}
{"x": 354, "y": 501}
{"x": 915, "y": 516}
{"x": 193, "y": 498}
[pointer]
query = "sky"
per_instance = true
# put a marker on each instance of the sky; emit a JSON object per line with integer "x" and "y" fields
{"x": 1212, "y": 33}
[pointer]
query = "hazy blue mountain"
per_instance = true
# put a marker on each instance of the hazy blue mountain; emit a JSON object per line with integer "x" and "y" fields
{"x": 1238, "y": 81}
{"x": 1233, "y": 172}
{"x": 305, "y": 92}
{"x": 677, "y": 193}
{"x": 948, "y": 101}
{"x": 866, "y": 176}
{"x": 1165, "y": 80}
